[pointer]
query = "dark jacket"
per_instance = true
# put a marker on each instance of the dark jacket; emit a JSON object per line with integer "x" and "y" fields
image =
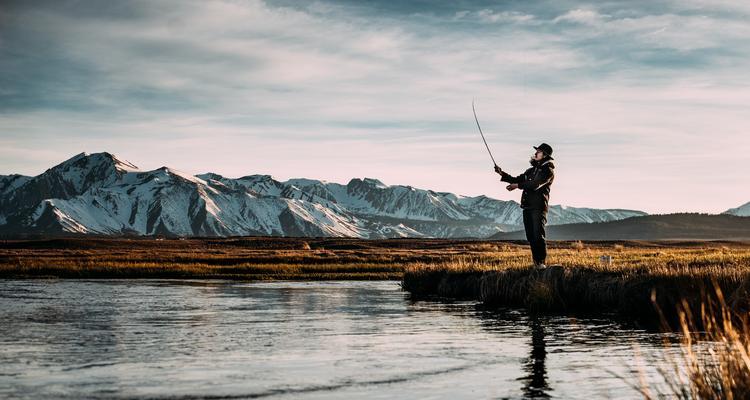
{"x": 535, "y": 183}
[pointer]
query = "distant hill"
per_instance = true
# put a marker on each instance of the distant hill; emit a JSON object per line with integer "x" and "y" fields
{"x": 650, "y": 227}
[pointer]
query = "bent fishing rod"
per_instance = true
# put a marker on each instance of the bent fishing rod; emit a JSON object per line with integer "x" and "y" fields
{"x": 481, "y": 133}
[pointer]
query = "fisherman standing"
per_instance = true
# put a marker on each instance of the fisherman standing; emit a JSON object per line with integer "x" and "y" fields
{"x": 535, "y": 183}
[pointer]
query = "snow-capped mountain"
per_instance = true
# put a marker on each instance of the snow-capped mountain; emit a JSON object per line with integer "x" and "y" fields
{"x": 741, "y": 211}
{"x": 102, "y": 194}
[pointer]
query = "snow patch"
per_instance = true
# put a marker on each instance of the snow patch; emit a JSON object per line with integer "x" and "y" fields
{"x": 741, "y": 211}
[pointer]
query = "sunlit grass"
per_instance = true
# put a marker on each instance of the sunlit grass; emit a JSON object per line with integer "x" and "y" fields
{"x": 714, "y": 357}
{"x": 580, "y": 282}
{"x": 271, "y": 258}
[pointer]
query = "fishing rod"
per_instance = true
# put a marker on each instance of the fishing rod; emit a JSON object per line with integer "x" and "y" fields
{"x": 481, "y": 133}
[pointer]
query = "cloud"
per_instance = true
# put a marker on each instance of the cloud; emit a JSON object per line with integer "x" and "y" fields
{"x": 490, "y": 16}
{"x": 383, "y": 89}
{"x": 582, "y": 16}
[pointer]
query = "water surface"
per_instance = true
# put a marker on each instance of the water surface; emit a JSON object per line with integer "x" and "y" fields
{"x": 313, "y": 340}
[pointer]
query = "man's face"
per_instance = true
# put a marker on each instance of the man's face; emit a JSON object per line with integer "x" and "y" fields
{"x": 538, "y": 155}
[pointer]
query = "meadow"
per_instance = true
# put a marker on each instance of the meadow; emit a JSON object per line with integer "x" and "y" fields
{"x": 231, "y": 258}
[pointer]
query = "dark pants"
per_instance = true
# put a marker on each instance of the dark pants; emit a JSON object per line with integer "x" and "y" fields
{"x": 534, "y": 221}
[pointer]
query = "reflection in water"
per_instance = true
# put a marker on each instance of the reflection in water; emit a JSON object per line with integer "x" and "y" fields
{"x": 535, "y": 382}
{"x": 312, "y": 340}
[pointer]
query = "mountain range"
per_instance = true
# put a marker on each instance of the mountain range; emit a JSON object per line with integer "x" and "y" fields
{"x": 102, "y": 194}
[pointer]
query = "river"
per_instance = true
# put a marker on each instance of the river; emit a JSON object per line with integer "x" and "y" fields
{"x": 121, "y": 339}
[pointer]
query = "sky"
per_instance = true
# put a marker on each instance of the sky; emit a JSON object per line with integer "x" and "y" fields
{"x": 645, "y": 103}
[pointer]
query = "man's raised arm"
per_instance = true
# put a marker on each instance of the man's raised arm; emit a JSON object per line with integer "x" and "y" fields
{"x": 506, "y": 177}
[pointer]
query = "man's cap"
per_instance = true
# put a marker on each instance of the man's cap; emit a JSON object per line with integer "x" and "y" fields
{"x": 545, "y": 148}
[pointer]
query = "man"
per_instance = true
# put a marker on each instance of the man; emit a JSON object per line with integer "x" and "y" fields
{"x": 535, "y": 183}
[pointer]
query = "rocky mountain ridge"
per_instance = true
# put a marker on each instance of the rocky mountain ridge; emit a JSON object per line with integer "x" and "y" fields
{"x": 102, "y": 194}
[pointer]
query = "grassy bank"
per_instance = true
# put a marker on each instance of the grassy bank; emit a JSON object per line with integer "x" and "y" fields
{"x": 487, "y": 270}
{"x": 640, "y": 277}
{"x": 234, "y": 258}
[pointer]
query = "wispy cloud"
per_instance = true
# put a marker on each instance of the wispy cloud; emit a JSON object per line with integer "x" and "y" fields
{"x": 644, "y": 102}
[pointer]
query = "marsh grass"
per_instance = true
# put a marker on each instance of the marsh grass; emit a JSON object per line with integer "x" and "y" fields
{"x": 579, "y": 282}
{"x": 412, "y": 260}
{"x": 238, "y": 258}
{"x": 723, "y": 370}
{"x": 714, "y": 357}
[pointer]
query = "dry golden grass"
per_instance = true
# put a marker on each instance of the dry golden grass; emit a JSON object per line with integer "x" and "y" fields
{"x": 579, "y": 282}
{"x": 245, "y": 258}
{"x": 714, "y": 362}
{"x": 319, "y": 258}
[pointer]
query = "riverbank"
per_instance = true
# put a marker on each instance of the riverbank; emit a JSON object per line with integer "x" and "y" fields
{"x": 251, "y": 258}
{"x": 640, "y": 283}
{"x": 495, "y": 273}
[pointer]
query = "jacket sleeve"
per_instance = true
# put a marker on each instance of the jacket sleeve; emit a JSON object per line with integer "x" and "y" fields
{"x": 544, "y": 177}
{"x": 506, "y": 177}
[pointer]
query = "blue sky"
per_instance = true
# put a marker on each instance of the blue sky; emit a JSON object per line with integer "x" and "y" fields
{"x": 646, "y": 103}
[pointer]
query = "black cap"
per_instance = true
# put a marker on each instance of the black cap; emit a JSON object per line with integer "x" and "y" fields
{"x": 545, "y": 148}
